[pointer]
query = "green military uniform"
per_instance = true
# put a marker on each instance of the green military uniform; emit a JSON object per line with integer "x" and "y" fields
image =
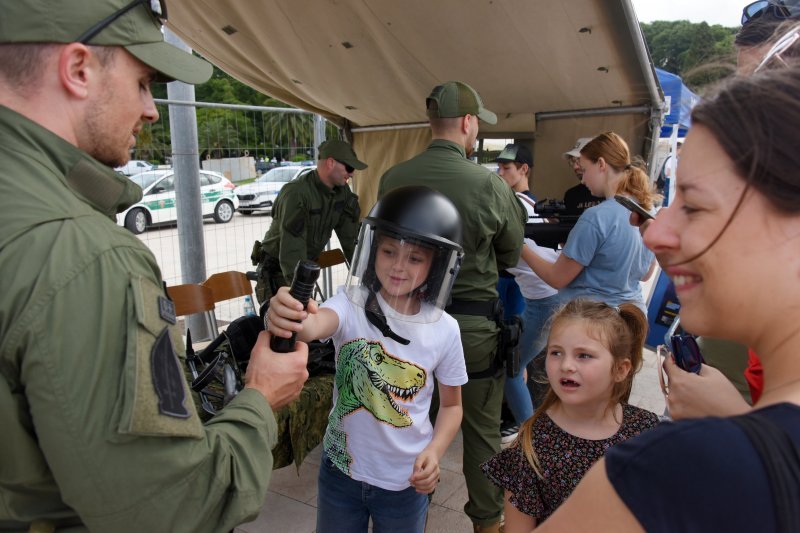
{"x": 99, "y": 429}
{"x": 493, "y": 222}
{"x": 303, "y": 217}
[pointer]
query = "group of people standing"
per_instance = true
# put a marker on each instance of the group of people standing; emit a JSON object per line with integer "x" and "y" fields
{"x": 603, "y": 254}
{"x": 100, "y": 431}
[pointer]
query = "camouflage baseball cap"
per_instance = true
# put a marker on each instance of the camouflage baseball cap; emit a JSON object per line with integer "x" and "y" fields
{"x": 456, "y": 99}
{"x": 134, "y": 25}
{"x": 341, "y": 151}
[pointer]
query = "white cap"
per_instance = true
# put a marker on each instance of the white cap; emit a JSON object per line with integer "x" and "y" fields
{"x": 576, "y": 150}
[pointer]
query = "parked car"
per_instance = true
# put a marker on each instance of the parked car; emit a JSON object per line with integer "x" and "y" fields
{"x": 158, "y": 201}
{"x": 260, "y": 194}
{"x": 135, "y": 166}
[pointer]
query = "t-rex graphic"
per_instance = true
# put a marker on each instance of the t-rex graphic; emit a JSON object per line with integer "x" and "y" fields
{"x": 368, "y": 377}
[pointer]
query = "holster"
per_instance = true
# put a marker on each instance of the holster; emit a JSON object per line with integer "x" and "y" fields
{"x": 508, "y": 344}
{"x": 269, "y": 276}
{"x": 257, "y": 253}
{"x": 509, "y": 331}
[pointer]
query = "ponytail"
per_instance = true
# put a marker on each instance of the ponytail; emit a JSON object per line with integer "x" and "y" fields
{"x": 636, "y": 325}
{"x": 635, "y": 181}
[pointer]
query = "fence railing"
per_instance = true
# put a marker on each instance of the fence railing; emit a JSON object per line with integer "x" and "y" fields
{"x": 240, "y": 142}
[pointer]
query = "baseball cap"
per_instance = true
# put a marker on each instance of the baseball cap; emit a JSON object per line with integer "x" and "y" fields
{"x": 341, "y": 151}
{"x": 516, "y": 153}
{"x": 576, "y": 150}
{"x": 134, "y": 25}
{"x": 456, "y": 99}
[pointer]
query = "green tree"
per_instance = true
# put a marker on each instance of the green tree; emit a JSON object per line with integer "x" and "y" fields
{"x": 701, "y": 54}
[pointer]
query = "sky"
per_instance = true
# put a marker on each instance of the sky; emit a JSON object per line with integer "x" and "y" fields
{"x": 724, "y": 12}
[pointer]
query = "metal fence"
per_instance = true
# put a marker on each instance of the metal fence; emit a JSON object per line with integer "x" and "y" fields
{"x": 240, "y": 142}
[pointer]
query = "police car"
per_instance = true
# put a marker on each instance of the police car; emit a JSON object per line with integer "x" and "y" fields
{"x": 260, "y": 194}
{"x": 158, "y": 200}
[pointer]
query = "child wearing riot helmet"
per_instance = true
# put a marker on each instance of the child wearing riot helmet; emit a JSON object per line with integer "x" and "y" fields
{"x": 392, "y": 337}
{"x": 593, "y": 352}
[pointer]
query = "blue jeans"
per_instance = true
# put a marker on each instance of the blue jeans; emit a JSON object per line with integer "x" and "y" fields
{"x": 345, "y": 505}
{"x": 533, "y": 341}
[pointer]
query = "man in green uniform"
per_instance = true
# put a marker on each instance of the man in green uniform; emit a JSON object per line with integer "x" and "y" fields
{"x": 99, "y": 429}
{"x": 493, "y": 235}
{"x": 305, "y": 213}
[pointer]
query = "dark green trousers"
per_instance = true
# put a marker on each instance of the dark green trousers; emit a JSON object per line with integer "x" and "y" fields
{"x": 482, "y": 400}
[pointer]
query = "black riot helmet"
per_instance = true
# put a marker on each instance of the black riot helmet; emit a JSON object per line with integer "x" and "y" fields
{"x": 408, "y": 255}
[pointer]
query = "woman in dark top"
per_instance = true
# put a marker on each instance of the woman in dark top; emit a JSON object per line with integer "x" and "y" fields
{"x": 731, "y": 243}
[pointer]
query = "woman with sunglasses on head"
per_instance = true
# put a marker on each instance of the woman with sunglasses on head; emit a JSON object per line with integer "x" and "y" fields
{"x": 604, "y": 257}
{"x": 730, "y": 243}
{"x": 711, "y": 393}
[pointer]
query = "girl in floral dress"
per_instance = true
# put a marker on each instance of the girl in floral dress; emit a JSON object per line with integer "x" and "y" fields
{"x": 593, "y": 352}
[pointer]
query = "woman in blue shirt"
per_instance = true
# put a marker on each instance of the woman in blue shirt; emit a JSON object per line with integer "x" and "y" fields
{"x": 604, "y": 257}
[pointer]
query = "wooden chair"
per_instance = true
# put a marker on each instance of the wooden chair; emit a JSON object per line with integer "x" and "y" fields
{"x": 228, "y": 285}
{"x": 329, "y": 258}
{"x": 326, "y": 260}
{"x": 193, "y": 299}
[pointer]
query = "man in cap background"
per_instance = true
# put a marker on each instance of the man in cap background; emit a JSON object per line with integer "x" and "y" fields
{"x": 493, "y": 233}
{"x": 305, "y": 214}
{"x": 578, "y": 198}
{"x": 515, "y": 165}
{"x": 537, "y": 299}
{"x": 99, "y": 428}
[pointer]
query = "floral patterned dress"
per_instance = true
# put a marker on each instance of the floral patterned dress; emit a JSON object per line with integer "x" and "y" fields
{"x": 564, "y": 460}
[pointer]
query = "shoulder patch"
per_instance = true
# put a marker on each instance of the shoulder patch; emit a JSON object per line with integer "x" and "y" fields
{"x": 167, "y": 377}
{"x": 166, "y": 310}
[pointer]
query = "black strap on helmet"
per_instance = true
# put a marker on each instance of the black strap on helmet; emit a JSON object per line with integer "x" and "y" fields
{"x": 376, "y": 317}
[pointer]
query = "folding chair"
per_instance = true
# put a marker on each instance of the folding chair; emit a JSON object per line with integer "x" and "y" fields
{"x": 326, "y": 260}
{"x": 228, "y": 285}
{"x": 193, "y": 299}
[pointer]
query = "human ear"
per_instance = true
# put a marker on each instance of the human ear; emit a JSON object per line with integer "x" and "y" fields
{"x": 76, "y": 65}
{"x": 465, "y": 123}
{"x": 622, "y": 369}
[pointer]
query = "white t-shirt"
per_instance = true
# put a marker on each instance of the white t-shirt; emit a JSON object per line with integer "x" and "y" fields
{"x": 532, "y": 286}
{"x": 379, "y": 421}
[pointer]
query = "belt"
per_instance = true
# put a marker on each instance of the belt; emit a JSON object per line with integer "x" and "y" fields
{"x": 488, "y": 308}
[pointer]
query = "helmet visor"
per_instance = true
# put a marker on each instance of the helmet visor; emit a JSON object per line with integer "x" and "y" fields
{"x": 412, "y": 276}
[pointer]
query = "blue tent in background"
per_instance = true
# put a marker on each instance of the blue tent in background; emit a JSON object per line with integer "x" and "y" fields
{"x": 682, "y": 102}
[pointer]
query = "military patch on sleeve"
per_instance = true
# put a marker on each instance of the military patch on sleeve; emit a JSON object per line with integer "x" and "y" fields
{"x": 297, "y": 224}
{"x": 166, "y": 309}
{"x": 167, "y": 377}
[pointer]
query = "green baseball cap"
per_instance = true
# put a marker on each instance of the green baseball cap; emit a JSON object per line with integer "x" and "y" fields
{"x": 456, "y": 99}
{"x": 341, "y": 151}
{"x": 516, "y": 153}
{"x": 134, "y": 25}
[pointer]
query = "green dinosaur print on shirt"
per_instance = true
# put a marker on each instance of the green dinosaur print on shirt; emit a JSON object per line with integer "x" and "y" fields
{"x": 368, "y": 377}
